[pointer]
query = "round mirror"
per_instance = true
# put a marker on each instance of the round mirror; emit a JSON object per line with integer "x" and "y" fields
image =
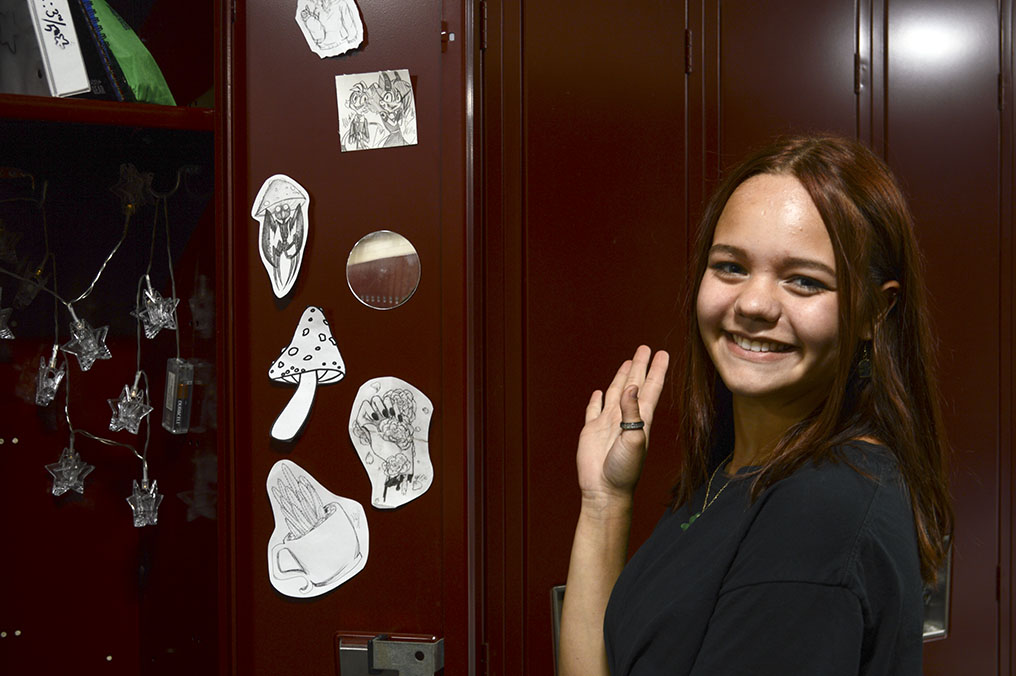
{"x": 383, "y": 270}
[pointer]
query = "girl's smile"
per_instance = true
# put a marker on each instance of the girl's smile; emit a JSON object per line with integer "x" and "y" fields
{"x": 757, "y": 348}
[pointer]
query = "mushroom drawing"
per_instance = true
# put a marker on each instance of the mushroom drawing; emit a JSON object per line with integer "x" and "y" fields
{"x": 312, "y": 357}
{"x": 281, "y": 210}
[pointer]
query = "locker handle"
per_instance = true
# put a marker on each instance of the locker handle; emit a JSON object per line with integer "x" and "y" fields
{"x": 362, "y": 654}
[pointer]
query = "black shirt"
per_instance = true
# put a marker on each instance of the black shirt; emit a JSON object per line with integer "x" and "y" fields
{"x": 820, "y": 575}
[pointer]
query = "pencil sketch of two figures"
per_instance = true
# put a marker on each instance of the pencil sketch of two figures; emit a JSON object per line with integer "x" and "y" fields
{"x": 376, "y": 110}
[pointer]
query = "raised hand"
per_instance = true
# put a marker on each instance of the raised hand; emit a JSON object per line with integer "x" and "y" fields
{"x": 610, "y": 460}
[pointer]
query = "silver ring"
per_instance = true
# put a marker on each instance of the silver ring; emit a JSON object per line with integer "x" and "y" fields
{"x": 633, "y": 425}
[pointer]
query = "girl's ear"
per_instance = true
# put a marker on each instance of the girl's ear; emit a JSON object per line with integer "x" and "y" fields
{"x": 890, "y": 290}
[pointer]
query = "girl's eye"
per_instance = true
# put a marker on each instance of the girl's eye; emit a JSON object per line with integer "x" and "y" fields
{"x": 807, "y": 285}
{"x": 727, "y": 268}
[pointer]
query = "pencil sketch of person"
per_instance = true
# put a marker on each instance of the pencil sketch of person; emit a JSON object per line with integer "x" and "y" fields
{"x": 358, "y": 135}
{"x": 331, "y": 27}
{"x": 392, "y": 99}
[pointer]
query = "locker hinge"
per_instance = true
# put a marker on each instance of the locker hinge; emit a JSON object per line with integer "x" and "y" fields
{"x": 232, "y": 11}
{"x": 688, "y": 64}
{"x": 1001, "y": 92}
{"x": 998, "y": 583}
{"x": 483, "y": 24}
{"x": 857, "y": 73}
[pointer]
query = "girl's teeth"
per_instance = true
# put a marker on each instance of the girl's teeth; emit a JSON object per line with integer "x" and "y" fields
{"x": 757, "y": 346}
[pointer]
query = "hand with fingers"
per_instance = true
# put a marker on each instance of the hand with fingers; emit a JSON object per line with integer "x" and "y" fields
{"x": 610, "y": 454}
{"x": 609, "y": 463}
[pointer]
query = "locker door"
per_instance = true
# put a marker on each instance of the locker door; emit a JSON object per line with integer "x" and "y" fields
{"x": 783, "y": 67}
{"x": 415, "y": 579}
{"x": 765, "y": 69}
{"x": 585, "y": 251}
{"x": 942, "y": 138}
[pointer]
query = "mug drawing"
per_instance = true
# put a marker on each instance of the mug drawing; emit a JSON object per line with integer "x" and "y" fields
{"x": 320, "y": 539}
{"x": 328, "y": 551}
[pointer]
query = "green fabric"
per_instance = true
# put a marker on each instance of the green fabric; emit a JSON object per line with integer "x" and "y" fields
{"x": 136, "y": 62}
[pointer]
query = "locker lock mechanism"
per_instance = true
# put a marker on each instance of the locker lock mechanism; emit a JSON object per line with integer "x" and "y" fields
{"x": 362, "y": 654}
{"x": 408, "y": 658}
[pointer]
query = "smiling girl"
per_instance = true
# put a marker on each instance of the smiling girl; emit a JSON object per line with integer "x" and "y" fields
{"x": 813, "y": 497}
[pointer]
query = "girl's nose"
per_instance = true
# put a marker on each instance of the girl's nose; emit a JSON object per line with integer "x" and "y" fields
{"x": 757, "y": 302}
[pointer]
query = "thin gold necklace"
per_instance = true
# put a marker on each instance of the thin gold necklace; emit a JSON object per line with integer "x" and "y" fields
{"x": 706, "y": 501}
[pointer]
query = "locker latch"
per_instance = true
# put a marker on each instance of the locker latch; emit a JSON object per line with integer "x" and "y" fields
{"x": 362, "y": 654}
{"x": 409, "y": 658}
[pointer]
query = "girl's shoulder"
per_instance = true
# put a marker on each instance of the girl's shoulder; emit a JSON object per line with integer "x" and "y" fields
{"x": 813, "y": 525}
{"x": 843, "y": 487}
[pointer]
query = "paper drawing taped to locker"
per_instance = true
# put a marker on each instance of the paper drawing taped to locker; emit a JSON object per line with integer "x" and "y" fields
{"x": 376, "y": 110}
{"x": 389, "y": 426}
{"x": 320, "y": 539}
{"x": 310, "y": 359}
{"x": 331, "y": 27}
{"x": 281, "y": 209}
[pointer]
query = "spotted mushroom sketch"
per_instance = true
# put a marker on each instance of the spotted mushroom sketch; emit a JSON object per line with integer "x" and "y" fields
{"x": 281, "y": 209}
{"x": 320, "y": 539}
{"x": 311, "y": 358}
{"x": 331, "y": 27}
{"x": 389, "y": 426}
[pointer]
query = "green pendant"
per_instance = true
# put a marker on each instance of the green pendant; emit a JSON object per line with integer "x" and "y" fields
{"x": 691, "y": 520}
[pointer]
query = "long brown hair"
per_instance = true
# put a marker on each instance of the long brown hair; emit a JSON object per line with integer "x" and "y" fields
{"x": 872, "y": 233}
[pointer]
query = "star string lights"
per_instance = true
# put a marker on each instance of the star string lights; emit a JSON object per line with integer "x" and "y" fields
{"x": 69, "y": 471}
{"x": 144, "y": 501}
{"x": 155, "y": 312}
{"x": 48, "y": 379}
{"x": 129, "y": 408}
{"x": 87, "y": 344}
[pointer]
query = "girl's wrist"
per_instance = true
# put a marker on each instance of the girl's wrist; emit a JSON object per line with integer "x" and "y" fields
{"x": 606, "y": 505}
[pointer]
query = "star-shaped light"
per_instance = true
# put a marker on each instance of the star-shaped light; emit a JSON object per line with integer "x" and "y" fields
{"x": 128, "y": 410}
{"x": 156, "y": 313}
{"x": 133, "y": 188}
{"x": 69, "y": 472}
{"x": 48, "y": 379}
{"x": 144, "y": 502}
{"x": 88, "y": 344}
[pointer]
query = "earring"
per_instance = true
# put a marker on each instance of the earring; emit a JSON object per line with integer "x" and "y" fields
{"x": 864, "y": 365}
